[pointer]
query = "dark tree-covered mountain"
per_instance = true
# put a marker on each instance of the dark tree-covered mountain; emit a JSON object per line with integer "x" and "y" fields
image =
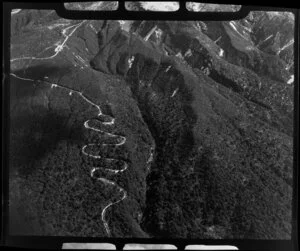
{"x": 206, "y": 109}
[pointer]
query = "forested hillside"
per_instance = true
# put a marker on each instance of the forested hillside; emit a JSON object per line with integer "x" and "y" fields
{"x": 165, "y": 129}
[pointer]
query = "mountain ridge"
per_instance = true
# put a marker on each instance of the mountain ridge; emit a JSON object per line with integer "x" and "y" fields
{"x": 208, "y": 141}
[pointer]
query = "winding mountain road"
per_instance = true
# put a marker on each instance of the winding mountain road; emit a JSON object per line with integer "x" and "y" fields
{"x": 59, "y": 45}
{"x": 85, "y": 150}
{"x": 87, "y": 124}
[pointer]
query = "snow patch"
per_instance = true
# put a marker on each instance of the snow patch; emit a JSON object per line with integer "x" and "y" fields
{"x": 81, "y": 59}
{"x": 130, "y": 61}
{"x": 285, "y": 46}
{"x": 168, "y": 68}
{"x": 259, "y": 85}
{"x": 179, "y": 55}
{"x": 233, "y": 25}
{"x": 158, "y": 33}
{"x": 15, "y": 11}
{"x": 268, "y": 37}
{"x": 291, "y": 80}
{"x": 93, "y": 28}
{"x": 247, "y": 29}
{"x": 221, "y": 52}
{"x": 249, "y": 48}
{"x": 188, "y": 53}
{"x": 174, "y": 92}
{"x": 150, "y": 33}
{"x": 53, "y": 26}
{"x": 150, "y": 159}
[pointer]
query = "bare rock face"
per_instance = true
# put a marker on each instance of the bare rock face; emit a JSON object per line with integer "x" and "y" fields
{"x": 207, "y": 122}
{"x": 273, "y": 32}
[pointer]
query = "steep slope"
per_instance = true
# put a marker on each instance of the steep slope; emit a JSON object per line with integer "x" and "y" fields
{"x": 203, "y": 123}
{"x": 216, "y": 172}
{"x": 53, "y": 189}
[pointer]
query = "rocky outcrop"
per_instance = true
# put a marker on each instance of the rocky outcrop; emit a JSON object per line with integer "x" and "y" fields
{"x": 273, "y": 33}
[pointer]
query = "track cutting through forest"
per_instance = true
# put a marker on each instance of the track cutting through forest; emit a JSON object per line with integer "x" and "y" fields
{"x": 59, "y": 47}
{"x": 84, "y": 148}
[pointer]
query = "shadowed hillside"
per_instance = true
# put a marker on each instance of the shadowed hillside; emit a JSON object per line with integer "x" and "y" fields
{"x": 192, "y": 126}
